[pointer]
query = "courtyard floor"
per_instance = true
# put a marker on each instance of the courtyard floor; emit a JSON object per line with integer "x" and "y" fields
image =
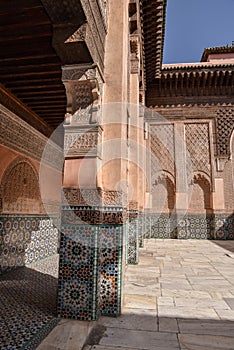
{"x": 179, "y": 296}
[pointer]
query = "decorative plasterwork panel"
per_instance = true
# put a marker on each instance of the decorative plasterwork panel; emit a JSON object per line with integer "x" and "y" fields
{"x": 198, "y": 148}
{"x": 19, "y": 189}
{"x": 224, "y": 129}
{"x": 81, "y": 72}
{"x": 162, "y": 148}
{"x": 21, "y": 137}
{"x": 83, "y": 142}
{"x": 93, "y": 197}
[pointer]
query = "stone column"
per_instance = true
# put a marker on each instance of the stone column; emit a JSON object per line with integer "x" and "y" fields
{"x": 115, "y": 126}
{"x": 134, "y": 151}
{"x": 80, "y": 217}
{"x": 92, "y": 230}
{"x": 94, "y": 205}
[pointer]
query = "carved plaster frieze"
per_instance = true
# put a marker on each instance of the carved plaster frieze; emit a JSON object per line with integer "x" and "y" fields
{"x": 83, "y": 142}
{"x": 82, "y": 72}
{"x": 93, "y": 197}
{"x": 16, "y": 134}
{"x": 114, "y": 198}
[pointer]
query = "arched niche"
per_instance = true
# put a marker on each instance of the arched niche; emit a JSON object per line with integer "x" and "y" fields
{"x": 163, "y": 192}
{"x": 200, "y": 195}
{"x": 20, "y": 193}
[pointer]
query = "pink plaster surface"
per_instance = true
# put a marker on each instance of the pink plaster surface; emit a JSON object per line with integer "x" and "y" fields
{"x": 227, "y": 57}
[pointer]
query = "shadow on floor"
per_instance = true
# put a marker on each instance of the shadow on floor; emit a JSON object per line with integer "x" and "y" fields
{"x": 134, "y": 331}
{"x": 228, "y": 245}
{"x": 27, "y": 308}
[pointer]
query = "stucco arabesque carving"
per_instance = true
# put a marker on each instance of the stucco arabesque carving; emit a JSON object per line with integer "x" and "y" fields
{"x": 19, "y": 189}
{"x": 27, "y": 140}
{"x": 95, "y": 197}
{"x": 224, "y": 130}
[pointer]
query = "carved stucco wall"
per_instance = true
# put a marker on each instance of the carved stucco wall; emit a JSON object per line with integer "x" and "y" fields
{"x": 198, "y": 148}
{"x": 228, "y": 177}
{"x": 20, "y": 189}
{"x": 162, "y": 167}
{"x": 197, "y": 159}
{"x": 199, "y": 169}
{"x": 200, "y": 200}
{"x": 162, "y": 148}
{"x": 163, "y": 193}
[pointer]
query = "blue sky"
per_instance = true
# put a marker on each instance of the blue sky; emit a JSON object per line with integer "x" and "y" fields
{"x": 192, "y": 25}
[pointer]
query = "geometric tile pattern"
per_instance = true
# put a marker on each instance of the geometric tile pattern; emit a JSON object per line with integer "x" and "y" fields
{"x": 110, "y": 270}
{"x": 147, "y": 226}
{"x": 25, "y": 239}
{"x": 224, "y": 227}
{"x": 28, "y": 304}
{"x": 141, "y": 229}
{"x": 195, "y": 226}
{"x": 160, "y": 225}
{"x": 132, "y": 238}
{"x": 163, "y": 226}
{"x": 190, "y": 226}
{"x": 90, "y": 265}
{"x": 78, "y": 270}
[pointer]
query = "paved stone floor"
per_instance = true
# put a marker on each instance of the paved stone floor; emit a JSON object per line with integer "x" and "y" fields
{"x": 180, "y": 296}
